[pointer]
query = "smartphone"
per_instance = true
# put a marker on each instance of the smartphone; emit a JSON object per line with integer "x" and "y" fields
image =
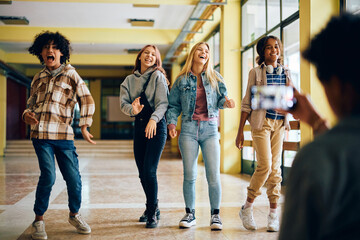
{"x": 271, "y": 97}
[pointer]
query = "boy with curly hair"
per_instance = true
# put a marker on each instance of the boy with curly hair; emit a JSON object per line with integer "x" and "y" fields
{"x": 54, "y": 92}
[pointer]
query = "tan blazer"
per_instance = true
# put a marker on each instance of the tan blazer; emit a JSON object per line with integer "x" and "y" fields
{"x": 257, "y": 76}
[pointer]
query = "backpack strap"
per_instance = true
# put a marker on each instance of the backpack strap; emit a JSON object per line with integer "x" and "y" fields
{"x": 147, "y": 82}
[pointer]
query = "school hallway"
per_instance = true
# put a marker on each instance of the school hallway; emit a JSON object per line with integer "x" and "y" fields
{"x": 113, "y": 199}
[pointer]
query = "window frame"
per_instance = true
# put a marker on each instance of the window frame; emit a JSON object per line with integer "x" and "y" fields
{"x": 343, "y": 8}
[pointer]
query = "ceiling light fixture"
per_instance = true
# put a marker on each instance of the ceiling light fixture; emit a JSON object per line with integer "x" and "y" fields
{"x": 146, "y": 5}
{"x": 142, "y": 22}
{"x": 133, "y": 50}
{"x": 5, "y": 1}
{"x": 14, "y": 20}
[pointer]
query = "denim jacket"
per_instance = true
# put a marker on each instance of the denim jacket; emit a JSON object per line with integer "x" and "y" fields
{"x": 183, "y": 96}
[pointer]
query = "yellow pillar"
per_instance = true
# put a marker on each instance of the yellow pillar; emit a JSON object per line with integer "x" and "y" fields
{"x": 2, "y": 108}
{"x": 311, "y": 22}
{"x": 95, "y": 89}
{"x": 230, "y": 62}
{"x": 2, "y": 114}
{"x": 175, "y": 70}
{"x": 2, "y": 131}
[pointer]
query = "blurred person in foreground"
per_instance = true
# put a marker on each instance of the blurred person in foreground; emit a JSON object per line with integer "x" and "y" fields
{"x": 322, "y": 199}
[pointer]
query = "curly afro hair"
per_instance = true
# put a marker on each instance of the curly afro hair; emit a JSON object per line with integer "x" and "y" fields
{"x": 44, "y": 38}
{"x": 335, "y": 50}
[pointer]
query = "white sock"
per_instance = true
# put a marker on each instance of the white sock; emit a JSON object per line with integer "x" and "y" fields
{"x": 248, "y": 204}
{"x": 273, "y": 210}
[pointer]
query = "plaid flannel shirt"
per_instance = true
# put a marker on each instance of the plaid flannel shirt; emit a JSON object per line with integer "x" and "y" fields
{"x": 53, "y": 98}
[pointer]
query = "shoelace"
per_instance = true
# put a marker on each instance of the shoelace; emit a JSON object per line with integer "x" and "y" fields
{"x": 216, "y": 218}
{"x": 187, "y": 217}
{"x": 80, "y": 220}
{"x": 39, "y": 227}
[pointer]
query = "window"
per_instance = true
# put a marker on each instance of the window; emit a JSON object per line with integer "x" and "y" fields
{"x": 253, "y": 20}
{"x": 353, "y": 6}
{"x": 289, "y": 7}
{"x": 273, "y": 14}
{"x": 350, "y": 6}
{"x": 248, "y": 153}
{"x": 214, "y": 43}
{"x": 247, "y": 65}
{"x": 292, "y": 51}
{"x": 276, "y": 33}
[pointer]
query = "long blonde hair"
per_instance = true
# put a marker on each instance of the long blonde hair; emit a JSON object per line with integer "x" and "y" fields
{"x": 208, "y": 68}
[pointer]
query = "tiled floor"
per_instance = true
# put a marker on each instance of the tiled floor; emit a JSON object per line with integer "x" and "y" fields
{"x": 113, "y": 200}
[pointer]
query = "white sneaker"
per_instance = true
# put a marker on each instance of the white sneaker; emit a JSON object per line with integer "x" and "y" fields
{"x": 247, "y": 218}
{"x": 273, "y": 223}
{"x": 80, "y": 224}
{"x": 38, "y": 230}
{"x": 215, "y": 222}
{"x": 188, "y": 220}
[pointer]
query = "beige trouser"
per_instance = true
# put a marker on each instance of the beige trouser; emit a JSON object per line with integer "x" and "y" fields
{"x": 268, "y": 143}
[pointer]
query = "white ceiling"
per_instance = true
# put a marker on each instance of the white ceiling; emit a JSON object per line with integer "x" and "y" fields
{"x": 171, "y": 15}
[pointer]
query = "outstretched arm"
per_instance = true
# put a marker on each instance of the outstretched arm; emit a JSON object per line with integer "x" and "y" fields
{"x": 29, "y": 118}
{"x": 239, "y": 142}
{"x": 87, "y": 136}
{"x": 229, "y": 103}
{"x": 136, "y": 106}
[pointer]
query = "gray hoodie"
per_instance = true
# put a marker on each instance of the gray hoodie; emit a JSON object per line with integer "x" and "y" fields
{"x": 156, "y": 92}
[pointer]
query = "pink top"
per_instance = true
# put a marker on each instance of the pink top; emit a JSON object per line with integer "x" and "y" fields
{"x": 201, "y": 112}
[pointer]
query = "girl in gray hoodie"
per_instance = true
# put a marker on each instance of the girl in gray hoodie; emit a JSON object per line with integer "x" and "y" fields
{"x": 143, "y": 95}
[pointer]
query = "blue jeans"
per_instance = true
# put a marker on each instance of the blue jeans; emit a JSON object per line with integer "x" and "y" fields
{"x": 147, "y": 156}
{"x": 204, "y": 134}
{"x": 68, "y": 163}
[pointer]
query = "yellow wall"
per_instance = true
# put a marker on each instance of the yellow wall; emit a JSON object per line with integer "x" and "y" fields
{"x": 2, "y": 114}
{"x": 230, "y": 62}
{"x": 95, "y": 90}
{"x": 78, "y": 59}
{"x": 311, "y": 22}
{"x": 89, "y": 72}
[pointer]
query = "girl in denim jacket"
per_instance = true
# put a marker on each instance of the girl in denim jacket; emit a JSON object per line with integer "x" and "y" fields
{"x": 198, "y": 93}
{"x": 267, "y": 130}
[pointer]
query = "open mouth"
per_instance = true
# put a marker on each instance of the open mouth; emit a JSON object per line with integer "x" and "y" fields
{"x": 50, "y": 58}
{"x": 202, "y": 57}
